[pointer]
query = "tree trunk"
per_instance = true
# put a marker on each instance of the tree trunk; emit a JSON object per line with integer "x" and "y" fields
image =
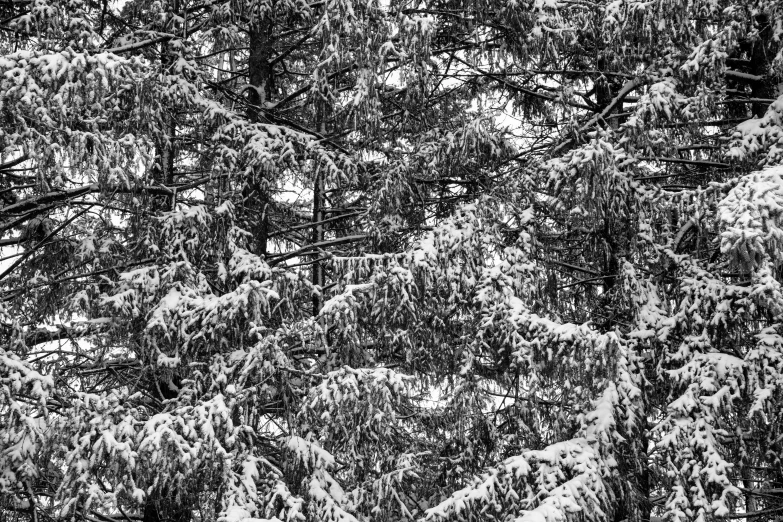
{"x": 261, "y": 78}
{"x": 318, "y": 214}
{"x": 163, "y": 170}
{"x": 318, "y": 236}
{"x": 163, "y": 505}
{"x": 761, "y": 54}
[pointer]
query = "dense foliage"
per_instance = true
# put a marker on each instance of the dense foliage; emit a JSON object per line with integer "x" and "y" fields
{"x": 345, "y": 260}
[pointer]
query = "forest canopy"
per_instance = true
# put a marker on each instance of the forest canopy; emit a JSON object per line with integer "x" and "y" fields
{"x": 391, "y": 260}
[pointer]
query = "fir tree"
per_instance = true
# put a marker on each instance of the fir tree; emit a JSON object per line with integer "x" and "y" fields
{"x": 440, "y": 261}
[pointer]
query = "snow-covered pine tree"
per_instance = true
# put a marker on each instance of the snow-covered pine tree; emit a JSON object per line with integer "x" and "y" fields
{"x": 351, "y": 261}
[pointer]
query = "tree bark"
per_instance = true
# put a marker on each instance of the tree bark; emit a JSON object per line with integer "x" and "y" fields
{"x": 318, "y": 237}
{"x": 261, "y": 78}
{"x": 318, "y": 215}
{"x": 761, "y": 54}
{"x": 163, "y": 170}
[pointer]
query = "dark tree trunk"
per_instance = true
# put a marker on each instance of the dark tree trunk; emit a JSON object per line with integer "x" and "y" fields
{"x": 318, "y": 213}
{"x": 761, "y": 54}
{"x": 261, "y": 77}
{"x": 163, "y": 170}
{"x": 164, "y": 505}
{"x": 318, "y": 237}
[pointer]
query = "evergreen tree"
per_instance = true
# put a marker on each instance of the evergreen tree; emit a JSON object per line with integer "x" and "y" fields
{"x": 352, "y": 261}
